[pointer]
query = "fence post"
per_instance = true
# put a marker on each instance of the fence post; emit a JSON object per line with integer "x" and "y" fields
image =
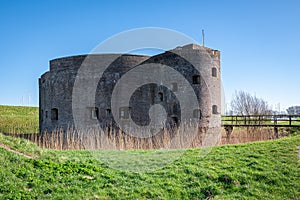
{"x": 276, "y": 132}
{"x": 275, "y": 120}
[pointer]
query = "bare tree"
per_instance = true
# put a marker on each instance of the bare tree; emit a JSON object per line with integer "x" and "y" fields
{"x": 244, "y": 103}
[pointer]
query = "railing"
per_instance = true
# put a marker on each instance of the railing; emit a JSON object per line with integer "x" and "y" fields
{"x": 275, "y": 121}
{"x": 262, "y": 120}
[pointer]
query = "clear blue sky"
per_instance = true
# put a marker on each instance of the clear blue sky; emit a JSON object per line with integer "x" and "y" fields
{"x": 259, "y": 39}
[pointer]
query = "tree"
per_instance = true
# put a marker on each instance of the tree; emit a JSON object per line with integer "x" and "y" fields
{"x": 244, "y": 103}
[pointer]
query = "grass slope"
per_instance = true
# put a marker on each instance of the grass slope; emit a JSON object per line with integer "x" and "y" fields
{"x": 19, "y": 119}
{"x": 262, "y": 170}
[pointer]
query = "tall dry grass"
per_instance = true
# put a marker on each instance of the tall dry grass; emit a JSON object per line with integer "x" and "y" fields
{"x": 185, "y": 136}
{"x": 252, "y": 134}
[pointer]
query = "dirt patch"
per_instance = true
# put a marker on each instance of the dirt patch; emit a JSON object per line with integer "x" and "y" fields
{"x": 17, "y": 152}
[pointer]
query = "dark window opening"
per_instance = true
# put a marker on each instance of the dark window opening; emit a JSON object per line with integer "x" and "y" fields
{"x": 46, "y": 114}
{"x": 108, "y": 111}
{"x": 215, "y": 109}
{"x": 54, "y": 114}
{"x": 196, "y": 79}
{"x": 124, "y": 112}
{"x": 175, "y": 121}
{"x": 214, "y": 72}
{"x": 161, "y": 96}
{"x": 95, "y": 113}
{"x": 197, "y": 114}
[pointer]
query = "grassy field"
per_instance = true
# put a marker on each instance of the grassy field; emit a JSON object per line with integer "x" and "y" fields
{"x": 262, "y": 170}
{"x": 19, "y": 119}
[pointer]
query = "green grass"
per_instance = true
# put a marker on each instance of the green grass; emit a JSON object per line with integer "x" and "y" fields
{"x": 19, "y": 119}
{"x": 261, "y": 170}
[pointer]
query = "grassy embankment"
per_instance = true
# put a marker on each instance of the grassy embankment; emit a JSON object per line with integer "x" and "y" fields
{"x": 262, "y": 170}
{"x": 19, "y": 119}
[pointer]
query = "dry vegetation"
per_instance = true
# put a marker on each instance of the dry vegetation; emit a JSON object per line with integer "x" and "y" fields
{"x": 116, "y": 139}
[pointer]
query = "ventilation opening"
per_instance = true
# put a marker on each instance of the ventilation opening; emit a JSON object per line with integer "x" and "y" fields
{"x": 108, "y": 111}
{"x": 215, "y": 109}
{"x": 161, "y": 96}
{"x": 196, "y": 79}
{"x": 94, "y": 113}
{"x": 197, "y": 114}
{"x": 54, "y": 114}
{"x": 124, "y": 112}
{"x": 214, "y": 72}
{"x": 175, "y": 121}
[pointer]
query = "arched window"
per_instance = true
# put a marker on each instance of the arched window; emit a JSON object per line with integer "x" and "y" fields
{"x": 214, "y": 109}
{"x": 214, "y": 72}
{"x": 54, "y": 114}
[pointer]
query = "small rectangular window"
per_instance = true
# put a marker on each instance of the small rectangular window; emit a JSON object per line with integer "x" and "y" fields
{"x": 215, "y": 109}
{"x": 95, "y": 113}
{"x": 54, "y": 114}
{"x": 161, "y": 96}
{"x": 214, "y": 72}
{"x": 124, "y": 112}
{"x": 108, "y": 111}
{"x": 196, "y": 79}
{"x": 46, "y": 115}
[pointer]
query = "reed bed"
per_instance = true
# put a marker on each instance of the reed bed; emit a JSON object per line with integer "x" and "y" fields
{"x": 186, "y": 136}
